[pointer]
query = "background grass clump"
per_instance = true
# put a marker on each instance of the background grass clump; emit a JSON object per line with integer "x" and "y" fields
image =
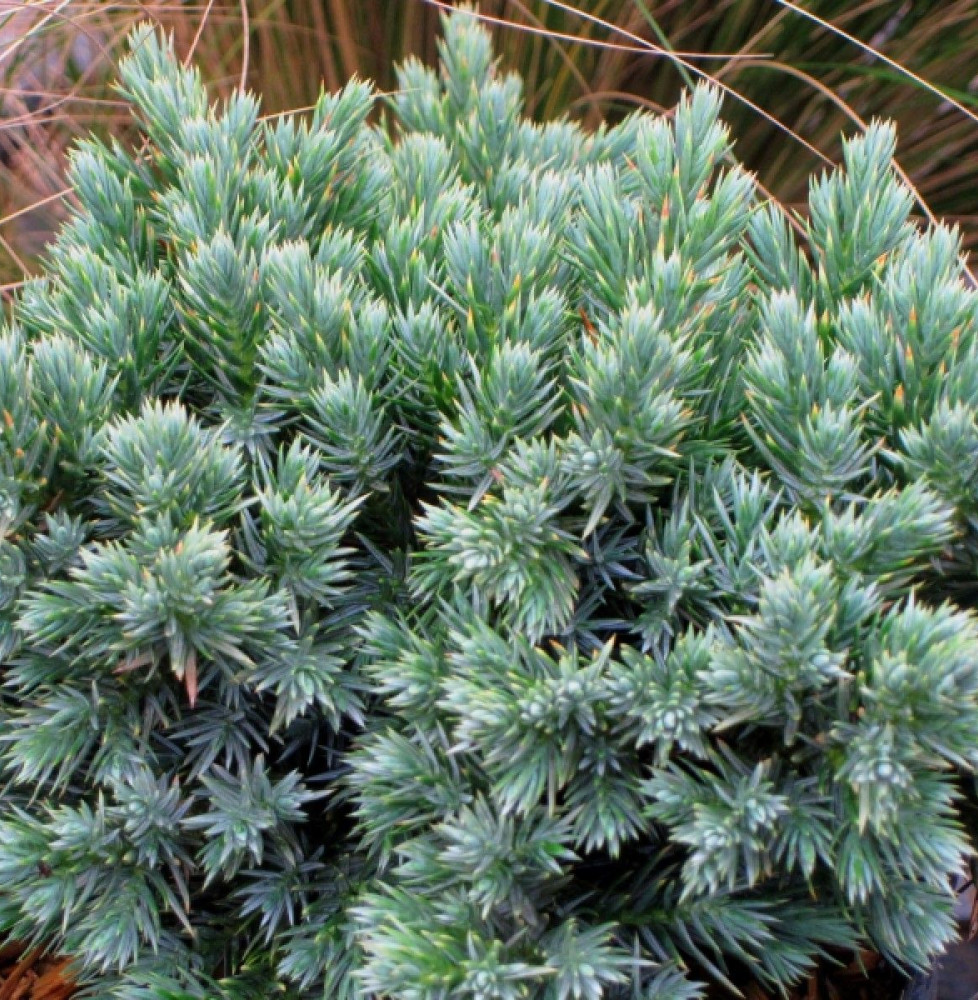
{"x": 795, "y": 77}
{"x": 465, "y": 557}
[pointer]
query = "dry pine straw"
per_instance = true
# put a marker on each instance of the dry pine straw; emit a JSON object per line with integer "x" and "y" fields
{"x": 33, "y": 975}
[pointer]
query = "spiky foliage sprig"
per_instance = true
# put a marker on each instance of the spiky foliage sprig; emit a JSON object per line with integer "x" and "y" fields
{"x": 464, "y": 558}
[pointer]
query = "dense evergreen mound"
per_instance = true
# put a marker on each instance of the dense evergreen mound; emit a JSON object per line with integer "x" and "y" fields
{"x": 462, "y": 558}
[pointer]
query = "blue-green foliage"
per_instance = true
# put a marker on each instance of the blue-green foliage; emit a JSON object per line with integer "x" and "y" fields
{"x": 444, "y": 557}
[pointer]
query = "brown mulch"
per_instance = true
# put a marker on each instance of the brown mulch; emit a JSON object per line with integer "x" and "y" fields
{"x": 33, "y": 975}
{"x": 868, "y": 978}
{"x": 882, "y": 984}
